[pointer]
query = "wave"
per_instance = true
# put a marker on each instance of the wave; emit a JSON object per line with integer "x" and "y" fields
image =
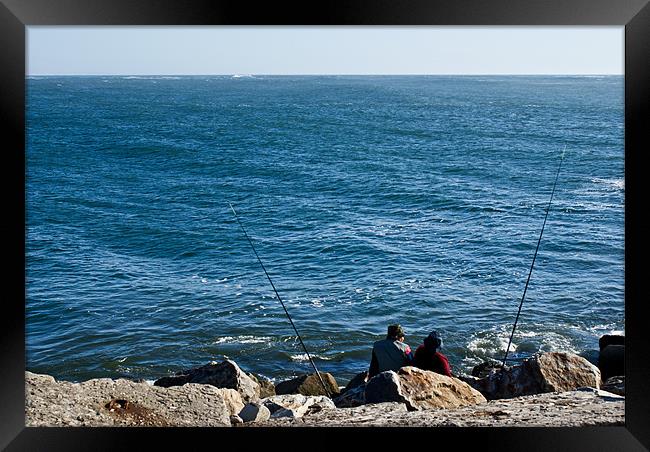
{"x": 494, "y": 343}
{"x": 618, "y": 184}
{"x": 303, "y": 357}
{"x": 243, "y": 340}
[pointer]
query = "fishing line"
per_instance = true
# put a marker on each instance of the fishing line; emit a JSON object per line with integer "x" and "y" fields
{"x": 281, "y": 302}
{"x": 534, "y": 257}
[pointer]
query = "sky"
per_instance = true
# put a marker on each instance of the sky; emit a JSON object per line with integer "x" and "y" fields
{"x": 112, "y": 50}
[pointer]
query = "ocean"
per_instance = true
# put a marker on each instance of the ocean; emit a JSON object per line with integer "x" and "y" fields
{"x": 370, "y": 200}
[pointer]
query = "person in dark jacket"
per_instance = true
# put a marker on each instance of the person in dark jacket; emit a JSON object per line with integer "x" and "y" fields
{"x": 390, "y": 353}
{"x": 427, "y": 356}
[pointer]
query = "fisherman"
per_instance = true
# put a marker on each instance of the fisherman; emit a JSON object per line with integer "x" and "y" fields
{"x": 427, "y": 356}
{"x": 390, "y": 353}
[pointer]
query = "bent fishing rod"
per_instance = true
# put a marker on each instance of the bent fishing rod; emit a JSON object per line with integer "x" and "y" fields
{"x": 281, "y": 302}
{"x": 505, "y": 357}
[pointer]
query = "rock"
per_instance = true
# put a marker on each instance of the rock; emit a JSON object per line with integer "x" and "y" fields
{"x": 384, "y": 387}
{"x": 580, "y": 408}
{"x": 267, "y": 389}
{"x": 566, "y": 372}
{"x": 421, "y": 389}
{"x": 611, "y": 339}
{"x": 296, "y": 405}
{"x": 615, "y": 385}
{"x": 233, "y": 400}
{"x": 235, "y": 419}
{"x": 484, "y": 369}
{"x": 255, "y": 412}
{"x": 546, "y": 372}
{"x": 358, "y": 380}
{"x": 226, "y": 374}
{"x": 376, "y": 414}
{"x": 309, "y": 385}
{"x": 611, "y": 361}
{"x": 351, "y": 398}
{"x": 106, "y": 402}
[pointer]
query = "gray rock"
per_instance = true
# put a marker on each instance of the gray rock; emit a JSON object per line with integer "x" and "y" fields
{"x": 615, "y": 385}
{"x": 106, "y": 402}
{"x": 235, "y": 419}
{"x": 296, "y": 405}
{"x": 358, "y": 380}
{"x": 421, "y": 389}
{"x": 351, "y": 398}
{"x": 225, "y": 374}
{"x": 384, "y": 387}
{"x": 309, "y": 385}
{"x": 255, "y": 412}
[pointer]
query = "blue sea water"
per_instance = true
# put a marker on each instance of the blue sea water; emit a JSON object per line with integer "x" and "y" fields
{"x": 370, "y": 199}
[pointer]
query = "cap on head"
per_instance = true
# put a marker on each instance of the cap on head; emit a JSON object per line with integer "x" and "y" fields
{"x": 395, "y": 331}
{"x": 433, "y": 340}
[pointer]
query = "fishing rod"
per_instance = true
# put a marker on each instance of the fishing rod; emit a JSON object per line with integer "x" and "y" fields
{"x": 281, "y": 302}
{"x": 534, "y": 257}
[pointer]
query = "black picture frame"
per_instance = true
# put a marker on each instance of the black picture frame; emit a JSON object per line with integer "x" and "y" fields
{"x": 16, "y": 15}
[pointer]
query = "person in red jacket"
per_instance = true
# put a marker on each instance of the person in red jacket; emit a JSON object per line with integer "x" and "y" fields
{"x": 427, "y": 356}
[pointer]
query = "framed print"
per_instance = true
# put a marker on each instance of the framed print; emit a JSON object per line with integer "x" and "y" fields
{"x": 324, "y": 213}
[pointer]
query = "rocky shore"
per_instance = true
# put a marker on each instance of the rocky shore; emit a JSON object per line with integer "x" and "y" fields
{"x": 549, "y": 389}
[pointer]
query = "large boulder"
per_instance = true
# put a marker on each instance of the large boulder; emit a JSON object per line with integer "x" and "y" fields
{"x": 611, "y": 361}
{"x": 421, "y": 389}
{"x": 296, "y": 405}
{"x": 565, "y": 372}
{"x": 111, "y": 403}
{"x": 545, "y": 372}
{"x": 309, "y": 385}
{"x": 225, "y": 374}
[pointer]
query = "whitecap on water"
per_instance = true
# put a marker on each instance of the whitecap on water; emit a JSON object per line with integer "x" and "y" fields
{"x": 490, "y": 345}
{"x": 617, "y": 184}
{"x": 243, "y": 340}
{"x": 494, "y": 343}
{"x": 304, "y": 357}
{"x": 607, "y": 328}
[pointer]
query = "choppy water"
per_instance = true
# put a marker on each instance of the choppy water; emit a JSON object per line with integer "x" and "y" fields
{"x": 371, "y": 200}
